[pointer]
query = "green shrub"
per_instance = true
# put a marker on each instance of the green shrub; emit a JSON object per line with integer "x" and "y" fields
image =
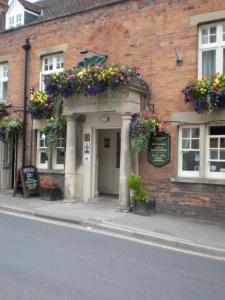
{"x": 135, "y": 184}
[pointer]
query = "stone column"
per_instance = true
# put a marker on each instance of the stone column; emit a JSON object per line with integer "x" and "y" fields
{"x": 125, "y": 163}
{"x": 70, "y": 161}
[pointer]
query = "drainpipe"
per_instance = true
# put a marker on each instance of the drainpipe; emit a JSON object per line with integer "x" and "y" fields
{"x": 26, "y": 48}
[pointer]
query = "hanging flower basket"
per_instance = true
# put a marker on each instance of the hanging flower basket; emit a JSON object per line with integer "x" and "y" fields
{"x": 207, "y": 93}
{"x": 3, "y": 110}
{"x": 10, "y": 128}
{"x": 142, "y": 128}
{"x": 40, "y": 106}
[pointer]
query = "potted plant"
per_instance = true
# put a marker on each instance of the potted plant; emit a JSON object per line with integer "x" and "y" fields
{"x": 142, "y": 203}
{"x": 50, "y": 190}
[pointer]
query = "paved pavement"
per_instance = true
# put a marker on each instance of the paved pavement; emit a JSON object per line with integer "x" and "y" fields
{"x": 180, "y": 232}
{"x": 42, "y": 261}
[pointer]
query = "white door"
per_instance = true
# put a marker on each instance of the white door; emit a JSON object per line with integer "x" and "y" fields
{"x": 5, "y": 166}
{"x": 109, "y": 161}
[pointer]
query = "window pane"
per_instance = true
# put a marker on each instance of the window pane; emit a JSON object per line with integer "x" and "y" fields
{"x": 222, "y": 142}
{"x": 212, "y": 30}
{"x": 222, "y": 154}
{"x": 195, "y": 144}
{"x": 4, "y": 90}
{"x": 60, "y": 156}
{"x": 208, "y": 62}
{"x": 217, "y": 130}
{"x": 217, "y": 167}
{"x": 186, "y": 133}
{"x": 44, "y": 157}
{"x": 185, "y": 144}
{"x": 223, "y": 32}
{"x": 195, "y": 132}
{"x": 213, "y": 143}
{"x": 191, "y": 160}
{"x": 213, "y": 154}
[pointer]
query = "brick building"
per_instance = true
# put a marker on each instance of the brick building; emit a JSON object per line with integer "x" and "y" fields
{"x": 142, "y": 32}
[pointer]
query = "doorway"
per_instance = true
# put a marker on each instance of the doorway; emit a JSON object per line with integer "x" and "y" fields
{"x": 6, "y": 166}
{"x": 109, "y": 141}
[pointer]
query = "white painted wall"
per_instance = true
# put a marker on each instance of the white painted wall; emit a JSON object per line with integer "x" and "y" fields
{"x": 15, "y": 9}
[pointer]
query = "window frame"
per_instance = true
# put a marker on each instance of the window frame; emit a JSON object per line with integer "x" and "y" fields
{"x": 44, "y": 72}
{"x": 208, "y": 173}
{"x": 56, "y": 166}
{"x": 204, "y": 148}
{"x": 219, "y": 45}
{"x": 3, "y": 79}
{"x": 181, "y": 172}
{"x": 39, "y": 150}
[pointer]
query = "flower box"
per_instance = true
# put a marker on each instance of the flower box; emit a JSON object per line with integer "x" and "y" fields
{"x": 144, "y": 208}
{"x": 51, "y": 194}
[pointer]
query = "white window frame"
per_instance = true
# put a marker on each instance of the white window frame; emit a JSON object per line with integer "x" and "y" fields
{"x": 3, "y": 78}
{"x": 19, "y": 20}
{"x": 219, "y": 45}
{"x": 181, "y": 172}
{"x": 209, "y": 174}
{"x": 204, "y": 146}
{"x": 54, "y": 156}
{"x": 39, "y": 150}
{"x": 54, "y": 68}
{"x": 11, "y": 23}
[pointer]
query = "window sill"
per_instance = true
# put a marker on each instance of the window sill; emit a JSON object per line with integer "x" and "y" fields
{"x": 51, "y": 171}
{"x": 198, "y": 180}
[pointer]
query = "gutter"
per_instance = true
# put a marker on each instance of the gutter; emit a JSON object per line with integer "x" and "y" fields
{"x": 26, "y": 47}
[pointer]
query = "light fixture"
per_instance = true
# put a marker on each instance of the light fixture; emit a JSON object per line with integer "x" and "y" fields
{"x": 86, "y": 51}
{"x": 179, "y": 58}
{"x": 43, "y": 136}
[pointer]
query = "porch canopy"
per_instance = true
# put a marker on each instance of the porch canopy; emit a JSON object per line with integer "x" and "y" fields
{"x": 118, "y": 105}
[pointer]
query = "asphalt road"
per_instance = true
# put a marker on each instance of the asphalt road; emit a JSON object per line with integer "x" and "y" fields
{"x": 41, "y": 261}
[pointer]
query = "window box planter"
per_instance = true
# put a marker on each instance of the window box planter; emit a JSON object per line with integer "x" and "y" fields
{"x": 144, "y": 208}
{"x": 51, "y": 194}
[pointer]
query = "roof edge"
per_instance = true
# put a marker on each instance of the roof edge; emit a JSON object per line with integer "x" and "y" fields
{"x": 37, "y": 22}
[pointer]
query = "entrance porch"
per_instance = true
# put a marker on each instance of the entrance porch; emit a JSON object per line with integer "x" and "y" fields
{"x": 98, "y": 152}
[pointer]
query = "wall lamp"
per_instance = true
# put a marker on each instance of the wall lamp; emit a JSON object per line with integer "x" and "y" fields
{"x": 86, "y": 51}
{"x": 179, "y": 60}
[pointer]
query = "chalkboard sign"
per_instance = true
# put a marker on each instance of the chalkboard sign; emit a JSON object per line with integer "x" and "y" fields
{"x": 159, "y": 150}
{"x": 27, "y": 181}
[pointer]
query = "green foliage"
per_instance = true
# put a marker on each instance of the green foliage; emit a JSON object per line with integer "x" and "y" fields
{"x": 56, "y": 125}
{"x": 135, "y": 184}
{"x": 10, "y": 128}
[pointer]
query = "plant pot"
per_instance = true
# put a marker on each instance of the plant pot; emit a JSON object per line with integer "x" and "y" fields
{"x": 51, "y": 194}
{"x": 144, "y": 208}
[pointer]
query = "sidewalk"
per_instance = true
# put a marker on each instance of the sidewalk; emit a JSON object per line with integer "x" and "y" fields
{"x": 180, "y": 232}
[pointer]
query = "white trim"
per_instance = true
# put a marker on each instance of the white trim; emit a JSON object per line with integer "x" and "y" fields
{"x": 39, "y": 149}
{"x": 56, "y": 166}
{"x": 54, "y": 69}
{"x": 2, "y": 80}
{"x": 218, "y": 46}
{"x": 209, "y": 174}
{"x": 181, "y": 172}
{"x": 204, "y": 146}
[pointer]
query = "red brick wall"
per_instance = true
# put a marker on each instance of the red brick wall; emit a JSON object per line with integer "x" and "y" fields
{"x": 139, "y": 32}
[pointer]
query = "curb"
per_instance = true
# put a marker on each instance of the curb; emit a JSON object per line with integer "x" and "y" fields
{"x": 160, "y": 239}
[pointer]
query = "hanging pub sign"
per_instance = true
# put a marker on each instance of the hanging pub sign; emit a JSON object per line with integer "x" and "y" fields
{"x": 27, "y": 181}
{"x": 159, "y": 150}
